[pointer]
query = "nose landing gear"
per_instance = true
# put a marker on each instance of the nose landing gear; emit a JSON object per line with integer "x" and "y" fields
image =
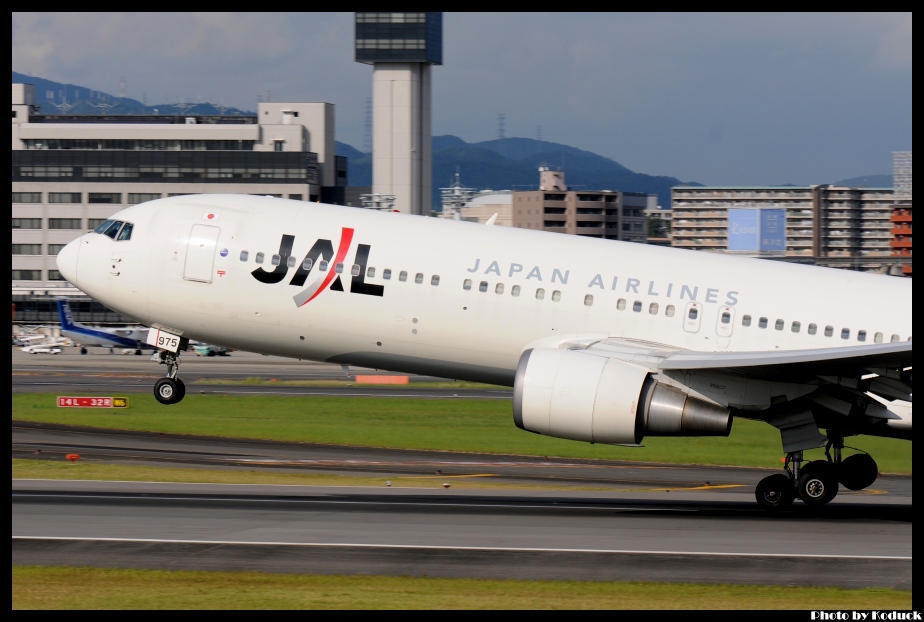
{"x": 171, "y": 389}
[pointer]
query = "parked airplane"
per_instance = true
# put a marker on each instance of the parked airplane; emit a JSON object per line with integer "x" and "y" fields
{"x": 125, "y": 338}
{"x": 602, "y": 341}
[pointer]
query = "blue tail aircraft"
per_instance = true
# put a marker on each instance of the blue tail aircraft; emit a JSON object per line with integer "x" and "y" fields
{"x": 125, "y": 338}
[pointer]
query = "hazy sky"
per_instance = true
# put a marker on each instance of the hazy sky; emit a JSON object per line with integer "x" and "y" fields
{"x": 718, "y": 98}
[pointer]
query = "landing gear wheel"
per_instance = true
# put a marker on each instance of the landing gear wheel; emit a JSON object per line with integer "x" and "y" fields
{"x": 858, "y": 471}
{"x": 169, "y": 390}
{"x": 818, "y": 483}
{"x": 775, "y": 492}
{"x": 180, "y": 389}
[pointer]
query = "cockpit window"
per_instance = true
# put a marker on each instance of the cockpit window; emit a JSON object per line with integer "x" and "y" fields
{"x": 126, "y": 232}
{"x": 113, "y": 229}
{"x": 103, "y": 226}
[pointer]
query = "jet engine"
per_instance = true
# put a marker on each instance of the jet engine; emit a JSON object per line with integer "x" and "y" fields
{"x": 580, "y": 396}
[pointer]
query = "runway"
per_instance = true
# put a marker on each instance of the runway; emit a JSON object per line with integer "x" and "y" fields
{"x": 540, "y": 535}
{"x": 654, "y": 522}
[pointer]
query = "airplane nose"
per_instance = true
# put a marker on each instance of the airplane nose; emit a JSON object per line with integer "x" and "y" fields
{"x": 67, "y": 261}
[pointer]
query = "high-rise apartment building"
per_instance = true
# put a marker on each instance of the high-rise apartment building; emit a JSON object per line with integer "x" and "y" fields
{"x": 826, "y": 224}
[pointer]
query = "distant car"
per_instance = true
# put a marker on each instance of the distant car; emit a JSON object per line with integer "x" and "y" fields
{"x": 43, "y": 349}
{"x": 209, "y": 350}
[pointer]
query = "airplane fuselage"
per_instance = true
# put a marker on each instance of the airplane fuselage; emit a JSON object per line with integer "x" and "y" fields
{"x": 456, "y": 299}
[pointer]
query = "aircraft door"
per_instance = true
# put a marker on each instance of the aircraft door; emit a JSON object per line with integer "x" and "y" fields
{"x": 693, "y": 317}
{"x": 200, "y": 253}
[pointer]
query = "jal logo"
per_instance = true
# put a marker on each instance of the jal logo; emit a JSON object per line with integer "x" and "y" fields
{"x": 321, "y": 251}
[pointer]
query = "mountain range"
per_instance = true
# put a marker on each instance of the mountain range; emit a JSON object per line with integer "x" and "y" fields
{"x": 501, "y": 164}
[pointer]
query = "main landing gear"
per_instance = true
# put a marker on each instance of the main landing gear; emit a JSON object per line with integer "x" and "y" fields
{"x": 816, "y": 482}
{"x": 171, "y": 389}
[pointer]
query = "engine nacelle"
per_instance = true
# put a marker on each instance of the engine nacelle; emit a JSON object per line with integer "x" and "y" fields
{"x": 584, "y": 397}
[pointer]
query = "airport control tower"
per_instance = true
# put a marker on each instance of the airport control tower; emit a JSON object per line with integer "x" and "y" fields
{"x": 401, "y": 47}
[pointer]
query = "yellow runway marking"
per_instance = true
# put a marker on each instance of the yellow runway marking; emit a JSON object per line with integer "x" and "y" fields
{"x": 706, "y": 487}
{"x": 446, "y": 476}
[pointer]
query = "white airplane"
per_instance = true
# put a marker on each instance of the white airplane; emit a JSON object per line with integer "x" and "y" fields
{"x": 129, "y": 339}
{"x": 602, "y": 341}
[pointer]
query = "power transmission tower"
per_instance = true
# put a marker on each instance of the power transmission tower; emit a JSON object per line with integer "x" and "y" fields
{"x": 500, "y": 125}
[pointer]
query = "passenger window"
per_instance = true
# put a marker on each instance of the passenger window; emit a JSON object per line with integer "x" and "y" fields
{"x": 694, "y": 313}
{"x": 275, "y": 260}
{"x": 259, "y": 258}
{"x": 812, "y": 329}
{"x": 779, "y": 324}
{"x": 467, "y": 284}
{"x": 483, "y": 286}
{"x": 244, "y": 255}
{"x": 322, "y": 265}
{"x": 355, "y": 269}
{"x": 829, "y": 330}
{"x": 338, "y": 267}
{"x": 621, "y": 304}
{"x": 669, "y": 311}
{"x": 745, "y": 320}
{"x": 796, "y": 327}
{"x": 861, "y": 335}
{"x": 370, "y": 272}
{"x": 290, "y": 262}
{"x": 895, "y": 338}
{"x": 762, "y": 322}
{"x": 435, "y": 279}
{"x": 877, "y": 337}
{"x": 725, "y": 318}
{"x": 589, "y": 300}
{"x": 515, "y": 290}
{"x": 845, "y": 333}
{"x": 126, "y": 232}
{"x": 386, "y": 274}
{"x": 637, "y": 306}
{"x": 653, "y": 308}
{"x": 402, "y": 276}
{"x": 540, "y": 294}
{"x": 306, "y": 265}
{"x": 556, "y": 296}
{"x": 499, "y": 288}
{"x": 418, "y": 278}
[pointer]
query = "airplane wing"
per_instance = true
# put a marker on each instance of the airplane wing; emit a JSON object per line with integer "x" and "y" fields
{"x": 845, "y": 374}
{"x": 848, "y": 361}
{"x": 782, "y": 365}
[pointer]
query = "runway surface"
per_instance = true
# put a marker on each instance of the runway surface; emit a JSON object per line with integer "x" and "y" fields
{"x": 442, "y": 533}
{"x": 646, "y": 522}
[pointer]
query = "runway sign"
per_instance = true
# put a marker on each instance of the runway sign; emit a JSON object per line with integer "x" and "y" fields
{"x": 65, "y": 401}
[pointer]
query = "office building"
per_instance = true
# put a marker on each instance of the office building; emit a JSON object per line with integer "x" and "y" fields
{"x": 70, "y": 173}
{"x": 554, "y": 207}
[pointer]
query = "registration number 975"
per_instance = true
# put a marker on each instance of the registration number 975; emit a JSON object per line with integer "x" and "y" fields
{"x": 163, "y": 340}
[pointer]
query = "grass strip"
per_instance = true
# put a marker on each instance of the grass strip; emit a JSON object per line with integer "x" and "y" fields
{"x": 449, "y": 424}
{"x": 36, "y": 587}
{"x": 83, "y": 470}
